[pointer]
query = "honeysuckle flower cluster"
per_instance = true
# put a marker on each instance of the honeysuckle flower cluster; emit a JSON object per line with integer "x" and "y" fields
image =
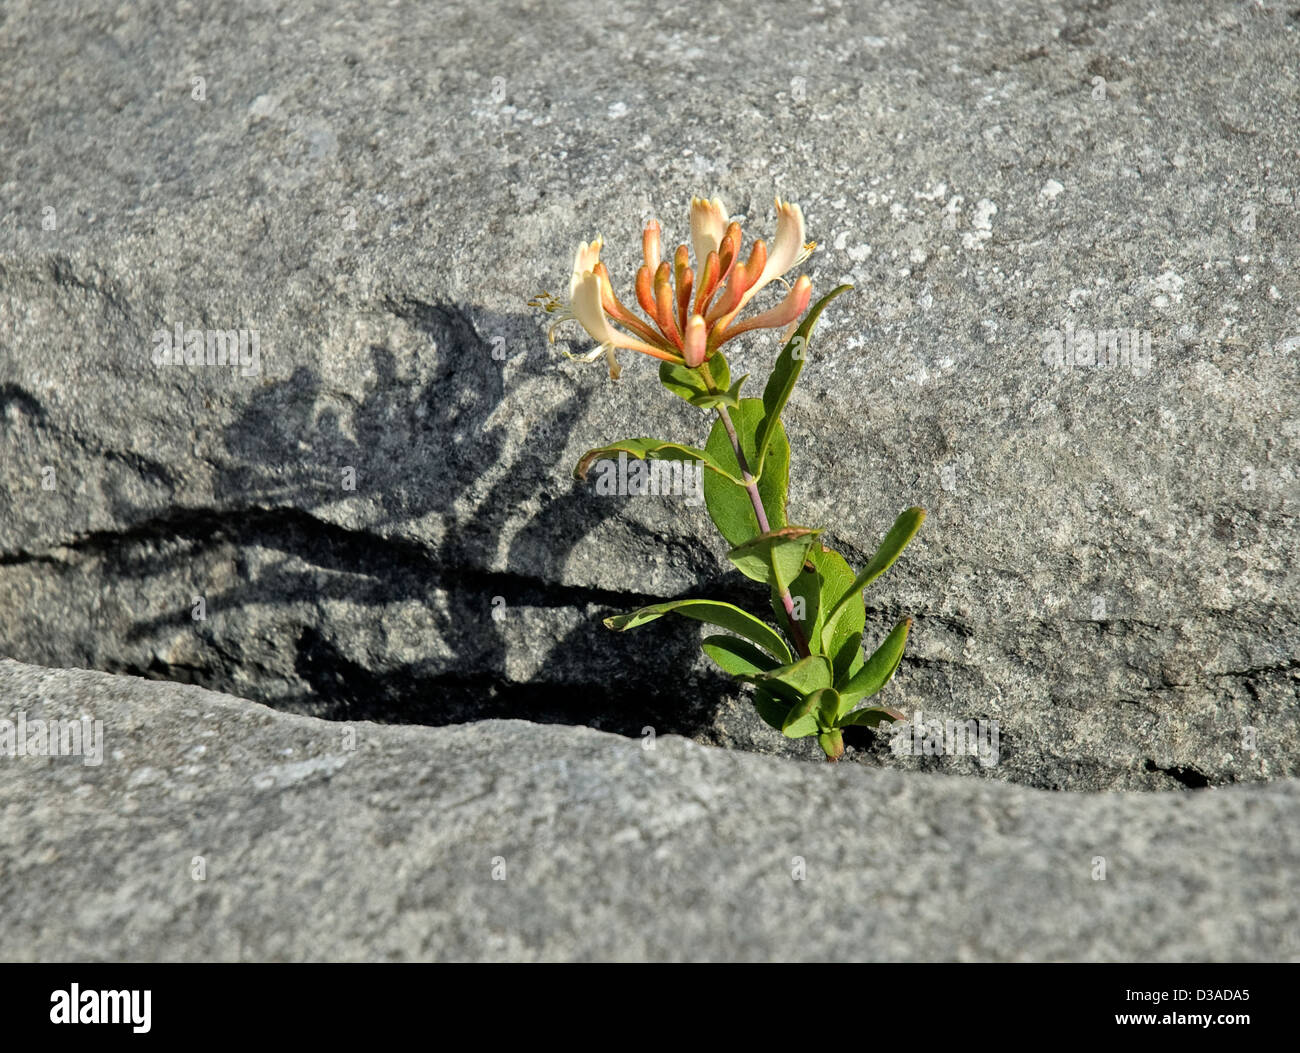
{"x": 689, "y": 311}
{"x": 811, "y": 671}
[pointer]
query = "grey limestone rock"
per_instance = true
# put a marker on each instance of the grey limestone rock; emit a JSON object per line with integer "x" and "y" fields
{"x": 219, "y": 829}
{"x": 381, "y": 522}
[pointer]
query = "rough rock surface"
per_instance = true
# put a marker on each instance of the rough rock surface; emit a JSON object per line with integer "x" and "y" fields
{"x": 1108, "y": 569}
{"x": 505, "y": 839}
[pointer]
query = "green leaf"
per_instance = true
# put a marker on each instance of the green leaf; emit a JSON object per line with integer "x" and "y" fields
{"x": 832, "y": 744}
{"x": 725, "y": 615}
{"x": 819, "y": 588}
{"x": 870, "y": 717}
{"x": 828, "y": 707}
{"x": 789, "y": 364}
{"x": 775, "y": 557}
{"x": 801, "y": 721}
{"x": 738, "y": 657}
{"x": 727, "y": 499}
{"x": 797, "y": 680}
{"x": 859, "y": 659}
{"x": 842, "y": 641}
{"x": 812, "y": 715}
{"x": 655, "y": 450}
{"x": 688, "y": 384}
{"x": 773, "y": 710}
{"x": 729, "y": 398}
{"x": 879, "y": 668}
{"x": 903, "y": 530}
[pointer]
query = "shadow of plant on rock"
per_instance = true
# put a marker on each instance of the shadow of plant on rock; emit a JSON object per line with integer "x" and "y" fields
{"x": 428, "y": 593}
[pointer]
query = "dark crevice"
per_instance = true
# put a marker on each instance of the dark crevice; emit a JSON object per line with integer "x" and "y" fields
{"x": 339, "y": 689}
{"x": 1261, "y": 671}
{"x": 326, "y": 546}
{"x": 1190, "y": 777}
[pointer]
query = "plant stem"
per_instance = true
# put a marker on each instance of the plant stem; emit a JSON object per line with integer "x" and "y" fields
{"x": 796, "y": 630}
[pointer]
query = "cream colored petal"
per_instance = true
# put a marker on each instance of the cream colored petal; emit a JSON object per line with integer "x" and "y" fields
{"x": 586, "y": 258}
{"x": 708, "y": 225}
{"x": 787, "y": 246}
{"x": 590, "y": 313}
{"x": 587, "y": 308}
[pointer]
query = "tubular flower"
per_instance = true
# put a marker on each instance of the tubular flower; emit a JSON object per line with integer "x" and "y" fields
{"x": 691, "y": 311}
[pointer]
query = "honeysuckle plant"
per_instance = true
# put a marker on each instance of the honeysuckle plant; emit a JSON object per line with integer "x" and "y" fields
{"x": 811, "y": 672}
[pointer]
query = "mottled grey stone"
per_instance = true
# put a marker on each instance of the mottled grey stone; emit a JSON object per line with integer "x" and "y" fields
{"x": 511, "y": 840}
{"x": 1108, "y": 569}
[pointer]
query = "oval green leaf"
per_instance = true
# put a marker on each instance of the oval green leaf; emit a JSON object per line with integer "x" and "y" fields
{"x": 773, "y": 710}
{"x": 655, "y": 450}
{"x": 797, "y": 680}
{"x": 724, "y": 615}
{"x": 801, "y": 721}
{"x": 728, "y": 501}
{"x": 738, "y": 657}
{"x": 789, "y": 364}
{"x": 688, "y": 384}
{"x": 776, "y": 557}
{"x": 903, "y": 530}
{"x": 878, "y": 669}
{"x": 870, "y": 717}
